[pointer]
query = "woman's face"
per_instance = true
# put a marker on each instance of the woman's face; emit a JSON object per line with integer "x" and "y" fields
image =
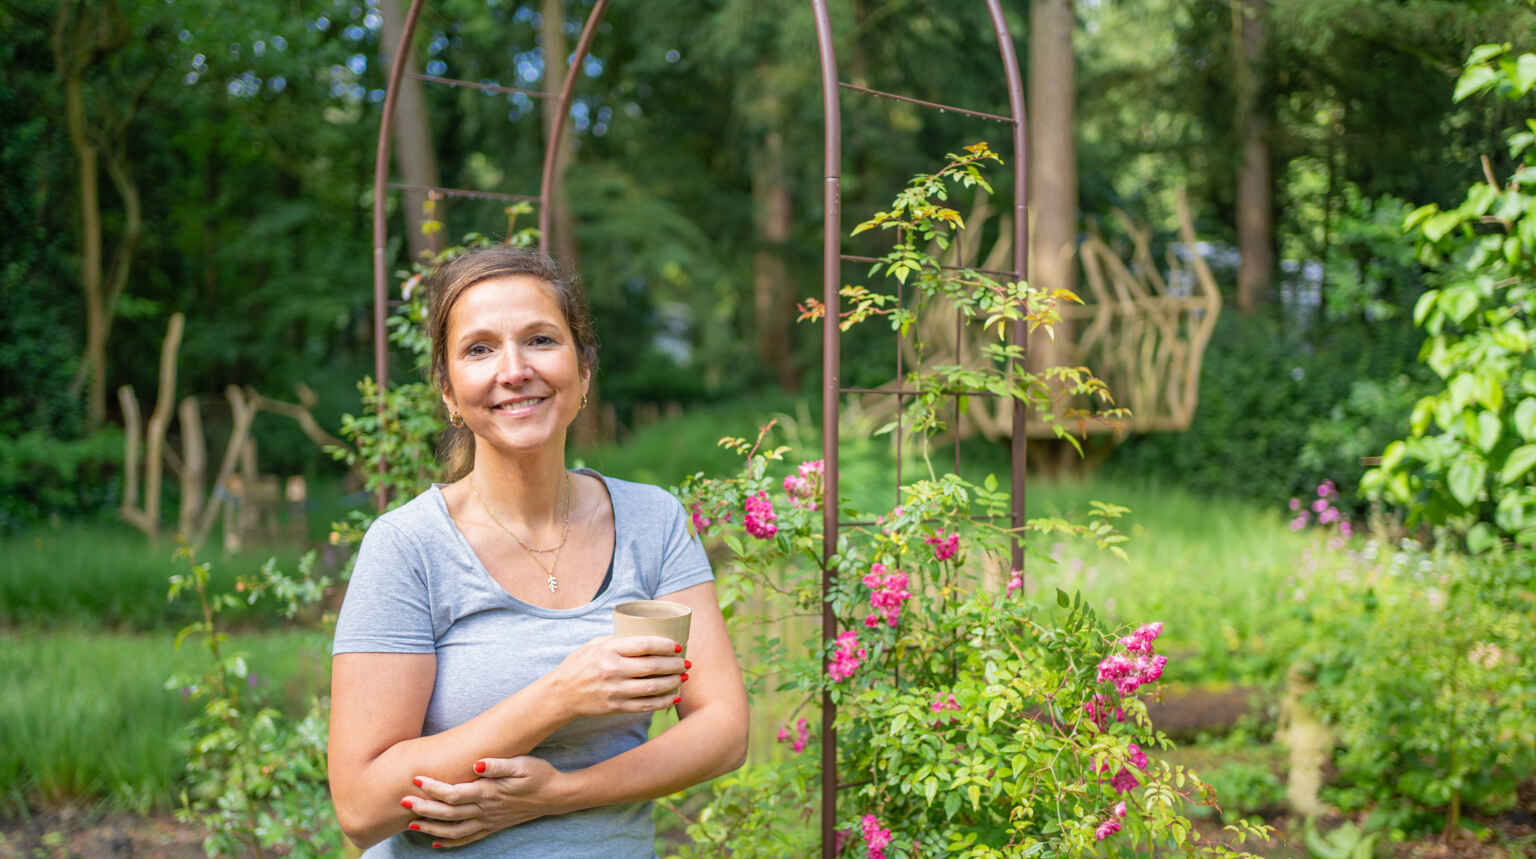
{"x": 513, "y": 372}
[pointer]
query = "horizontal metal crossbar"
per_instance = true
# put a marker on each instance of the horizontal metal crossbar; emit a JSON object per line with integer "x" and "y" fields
{"x": 853, "y": 258}
{"x": 867, "y": 523}
{"x": 905, "y": 392}
{"x": 933, "y": 104}
{"x": 453, "y": 82}
{"x": 465, "y": 192}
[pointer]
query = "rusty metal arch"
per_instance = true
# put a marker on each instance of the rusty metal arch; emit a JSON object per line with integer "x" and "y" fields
{"x": 832, "y": 259}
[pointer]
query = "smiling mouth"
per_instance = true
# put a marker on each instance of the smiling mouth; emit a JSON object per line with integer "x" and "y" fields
{"x": 519, "y": 405}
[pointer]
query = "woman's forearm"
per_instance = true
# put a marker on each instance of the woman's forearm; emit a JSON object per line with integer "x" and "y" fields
{"x": 367, "y": 787}
{"x": 704, "y": 744}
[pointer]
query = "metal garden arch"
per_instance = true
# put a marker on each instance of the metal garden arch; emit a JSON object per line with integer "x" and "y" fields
{"x": 832, "y": 259}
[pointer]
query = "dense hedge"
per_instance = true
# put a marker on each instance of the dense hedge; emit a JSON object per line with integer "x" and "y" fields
{"x": 42, "y": 477}
{"x": 1280, "y": 414}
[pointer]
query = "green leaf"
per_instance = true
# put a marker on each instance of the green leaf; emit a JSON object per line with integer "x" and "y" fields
{"x": 1474, "y": 80}
{"x": 1466, "y": 478}
{"x": 1439, "y": 225}
{"x": 1525, "y": 419}
{"x": 1519, "y": 462}
{"x": 1062, "y": 599}
{"x": 1481, "y": 538}
{"x": 1485, "y": 52}
{"x": 1525, "y": 74}
{"x": 1489, "y": 428}
{"x": 1425, "y": 304}
{"x": 1418, "y": 215}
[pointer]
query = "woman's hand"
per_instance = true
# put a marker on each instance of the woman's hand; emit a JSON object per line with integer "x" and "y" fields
{"x": 620, "y": 674}
{"x": 509, "y": 791}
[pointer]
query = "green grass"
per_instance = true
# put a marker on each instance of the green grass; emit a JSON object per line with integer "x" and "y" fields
{"x": 1216, "y": 571}
{"x": 108, "y": 576}
{"x": 85, "y": 717}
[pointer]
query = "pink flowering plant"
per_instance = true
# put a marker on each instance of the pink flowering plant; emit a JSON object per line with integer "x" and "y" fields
{"x": 970, "y": 719}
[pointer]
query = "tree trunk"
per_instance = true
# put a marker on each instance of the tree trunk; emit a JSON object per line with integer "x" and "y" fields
{"x": 1053, "y": 192}
{"x": 552, "y": 42}
{"x": 1255, "y": 220}
{"x": 773, "y": 293}
{"x": 93, "y": 368}
{"x": 414, "y": 156}
{"x": 80, "y": 39}
{"x": 1053, "y": 159}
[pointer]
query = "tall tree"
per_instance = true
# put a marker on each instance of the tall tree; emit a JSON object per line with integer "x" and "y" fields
{"x": 553, "y": 44}
{"x": 1052, "y": 157}
{"x": 1255, "y": 193}
{"x": 413, "y": 152}
{"x": 85, "y": 37}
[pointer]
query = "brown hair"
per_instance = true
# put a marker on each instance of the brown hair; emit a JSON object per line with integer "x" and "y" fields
{"x": 448, "y": 282}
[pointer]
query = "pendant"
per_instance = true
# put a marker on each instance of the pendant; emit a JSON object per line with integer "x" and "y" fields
{"x": 553, "y": 583}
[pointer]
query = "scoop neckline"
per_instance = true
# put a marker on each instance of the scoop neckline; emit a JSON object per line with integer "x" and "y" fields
{"x": 542, "y": 611}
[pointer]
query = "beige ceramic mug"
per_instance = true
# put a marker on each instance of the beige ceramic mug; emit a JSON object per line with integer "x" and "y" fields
{"x": 653, "y": 617}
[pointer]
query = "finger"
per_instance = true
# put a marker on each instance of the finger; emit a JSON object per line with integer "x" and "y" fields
{"x": 654, "y": 703}
{"x": 460, "y": 842}
{"x": 646, "y": 645}
{"x": 652, "y": 666}
{"x": 515, "y": 767}
{"x": 436, "y": 810}
{"x": 442, "y": 791}
{"x": 443, "y": 831}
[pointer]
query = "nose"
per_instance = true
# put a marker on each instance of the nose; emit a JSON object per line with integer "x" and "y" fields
{"x": 512, "y": 368}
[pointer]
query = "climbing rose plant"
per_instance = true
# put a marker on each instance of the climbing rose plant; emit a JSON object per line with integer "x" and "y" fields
{"x": 970, "y": 720}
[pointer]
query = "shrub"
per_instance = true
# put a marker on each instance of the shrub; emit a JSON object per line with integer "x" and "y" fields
{"x": 43, "y": 477}
{"x": 1425, "y": 665}
{"x": 1468, "y": 464}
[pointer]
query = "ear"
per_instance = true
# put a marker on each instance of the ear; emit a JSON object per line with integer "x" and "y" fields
{"x": 586, "y": 381}
{"x": 448, "y": 402}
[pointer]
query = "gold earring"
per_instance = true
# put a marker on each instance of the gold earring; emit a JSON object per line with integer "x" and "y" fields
{"x": 456, "y": 420}
{"x": 583, "y": 400}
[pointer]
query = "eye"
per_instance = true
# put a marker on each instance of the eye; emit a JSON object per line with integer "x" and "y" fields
{"x": 477, "y": 349}
{"x": 542, "y": 340}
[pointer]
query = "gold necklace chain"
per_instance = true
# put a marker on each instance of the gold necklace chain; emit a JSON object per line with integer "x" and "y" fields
{"x": 565, "y": 533}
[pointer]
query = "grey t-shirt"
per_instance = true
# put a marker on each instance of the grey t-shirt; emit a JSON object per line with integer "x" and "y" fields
{"x": 417, "y": 587}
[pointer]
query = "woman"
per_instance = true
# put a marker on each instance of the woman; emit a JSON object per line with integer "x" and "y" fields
{"x": 477, "y": 695}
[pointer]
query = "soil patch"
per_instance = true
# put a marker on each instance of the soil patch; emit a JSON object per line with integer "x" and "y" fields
{"x": 73, "y": 833}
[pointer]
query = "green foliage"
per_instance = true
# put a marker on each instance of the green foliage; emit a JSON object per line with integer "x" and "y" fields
{"x": 44, "y": 476}
{"x": 255, "y": 779}
{"x": 1246, "y": 787}
{"x": 970, "y": 721}
{"x": 1423, "y": 662}
{"x": 1266, "y": 398}
{"x": 88, "y": 724}
{"x": 1466, "y": 464}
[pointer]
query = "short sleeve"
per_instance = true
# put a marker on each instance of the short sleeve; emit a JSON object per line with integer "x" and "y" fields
{"x": 683, "y": 561}
{"x": 388, "y": 604}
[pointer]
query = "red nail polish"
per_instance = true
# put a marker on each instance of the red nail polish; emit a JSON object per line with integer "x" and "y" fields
{"x": 407, "y": 804}
{"x": 435, "y": 844}
{"x": 677, "y": 700}
{"x": 416, "y": 781}
{"x": 687, "y": 663}
{"x": 479, "y": 766}
{"x": 415, "y": 826}
{"x": 677, "y": 648}
{"x": 685, "y": 678}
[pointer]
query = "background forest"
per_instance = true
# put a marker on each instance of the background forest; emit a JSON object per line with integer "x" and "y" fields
{"x": 191, "y": 166}
{"x": 231, "y": 164}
